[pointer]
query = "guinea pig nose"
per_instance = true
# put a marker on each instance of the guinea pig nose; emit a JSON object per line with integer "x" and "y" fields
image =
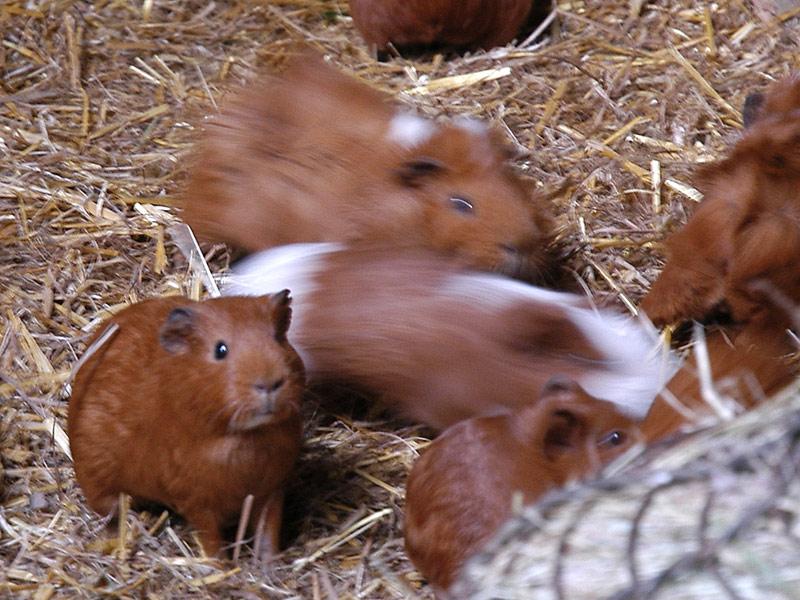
{"x": 264, "y": 388}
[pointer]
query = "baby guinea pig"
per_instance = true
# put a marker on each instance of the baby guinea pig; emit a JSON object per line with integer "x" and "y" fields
{"x": 193, "y": 405}
{"x": 314, "y": 155}
{"x": 739, "y": 253}
{"x": 458, "y": 24}
{"x": 439, "y": 343}
{"x": 462, "y": 488}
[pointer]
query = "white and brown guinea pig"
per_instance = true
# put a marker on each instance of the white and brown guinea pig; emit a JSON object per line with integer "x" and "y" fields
{"x": 314, "y": 155}
{"x": 439, "y": 343}
{"x": 458, "y": 24}
{"x": 193, "y": 405}
{"x": 462, "y": 488}
{"x": 739, "y": 253}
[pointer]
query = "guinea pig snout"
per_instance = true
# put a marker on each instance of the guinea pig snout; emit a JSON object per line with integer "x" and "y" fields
{"x": 266, "y": 390}
{"x": 266, "y": 405}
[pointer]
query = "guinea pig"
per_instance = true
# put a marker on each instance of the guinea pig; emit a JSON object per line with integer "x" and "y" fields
{"x": 462, "y": 488}
{"x": 739, "y": 253}
{"x": 742, "y": 374}
{"x": 193, "y": 405}
{"x": 439, "y": 343}
{"x": 314, "y": 155}
{"x": 458, "y": 24}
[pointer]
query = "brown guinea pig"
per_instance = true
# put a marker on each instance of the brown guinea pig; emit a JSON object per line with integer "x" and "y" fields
{"x": 439, "y": 343}
{"x": 458, "y": 24}
{"x": 739, "y": 253}
{"x": 743, "y": 375}
{"x": 462, "y": 488}
{"x": 314, "y": 155}
{"x": 193, "y": 405}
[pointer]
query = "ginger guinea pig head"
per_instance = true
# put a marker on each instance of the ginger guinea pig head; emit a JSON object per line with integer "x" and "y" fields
{"x": 230, "y": 361}
{"x": 576, "y": 433}
{"x": 474, "y": 206}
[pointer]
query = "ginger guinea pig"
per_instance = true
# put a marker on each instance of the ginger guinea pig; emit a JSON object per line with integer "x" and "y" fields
{"x": 743, "y": 375}
{"x": 314, "y": 155}
{"x": 462, "y": 488}
{"x": 439, "y": 343}
{"x": 193, "y": 405}
{"x": 458, "y": 24}
{"x": 739, "y": 253}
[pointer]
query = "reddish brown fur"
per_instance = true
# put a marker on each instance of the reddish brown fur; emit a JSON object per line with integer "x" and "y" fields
{"x": 304, "y": 157}
{"x": 156, "y": 415}
{"x": 379, "y": 319}
{"x": 461, "y": 489}
{"x": 740, "y": 251}
{"x": 461, "y": 24}
{"x": 745, "y": 373}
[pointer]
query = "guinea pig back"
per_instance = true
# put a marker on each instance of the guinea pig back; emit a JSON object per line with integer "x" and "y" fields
{"x": 460, "y": 24}
{"x": 314, "y": 155}
{"x": 462, "y": 488}
{"x": 439, "y": 343}
{"x": 742, "y": 374}
{"x": 193, "y": 405}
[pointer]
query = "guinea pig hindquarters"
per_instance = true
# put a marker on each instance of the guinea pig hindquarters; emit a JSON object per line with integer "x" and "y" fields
{"x": 462, "y": 488}
{"x": 440, "y": 344}
{"x": 455, "y": 23}
{"x": 193, "y": 405}
{"x": 313, "y": 155}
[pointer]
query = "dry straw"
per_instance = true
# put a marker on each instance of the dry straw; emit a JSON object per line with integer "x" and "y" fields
{"x": 99, "y": 105}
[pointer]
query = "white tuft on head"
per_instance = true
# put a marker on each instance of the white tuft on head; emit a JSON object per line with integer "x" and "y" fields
{"x": 409, "y": 130}
{"x": 291, "y": 267}
{"x": 473, "y": 126}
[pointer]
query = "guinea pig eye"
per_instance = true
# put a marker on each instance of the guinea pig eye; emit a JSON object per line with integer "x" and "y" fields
{"x": 462, "y": 206}
{"x": 220, "y": 350}
{"x": 615, "y": 438}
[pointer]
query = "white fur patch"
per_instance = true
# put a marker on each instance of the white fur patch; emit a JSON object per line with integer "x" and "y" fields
{"x": 473, "y": 126}
{"x": 291, "y": 267}
{"x": 637, "y": 364}
{"x": 497, "y": 292}
{"x": 409, "y": 130}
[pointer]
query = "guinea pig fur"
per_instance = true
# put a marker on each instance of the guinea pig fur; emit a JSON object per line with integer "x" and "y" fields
{"x": 742, "y": 374}
{"x": 739, "y": 253}
{"x": 458, "y": 24}
{"x": 462, "y": 488}
{"x": 314, "y": 155}
{"x": 439, "y": 343}
{"x": 193, "y": 405}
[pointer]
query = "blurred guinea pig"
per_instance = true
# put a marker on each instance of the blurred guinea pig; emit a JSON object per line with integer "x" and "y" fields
{"x": 462, "y": 488}
{"x": 457, "y": 24}
{"x": 439, "y": 343}
{"x": 193, "y": 405}
{"x": 314, "y": 155}
{"x": 739, "y": 253}
{"x": 742, "y": 375}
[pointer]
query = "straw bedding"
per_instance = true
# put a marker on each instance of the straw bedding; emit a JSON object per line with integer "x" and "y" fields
{"x": 99, "y": 106}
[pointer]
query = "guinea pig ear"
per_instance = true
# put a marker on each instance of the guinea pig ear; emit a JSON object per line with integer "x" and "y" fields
{"x": 280, "y": 314}
{"x": 564, "y": 430}
{"x": 414, "y": 171}
{"x": 752, "y": 108}
{"x": 561, "y": 387}
{"x": 176, "y": 329}
{"x": 564, "y": 427}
